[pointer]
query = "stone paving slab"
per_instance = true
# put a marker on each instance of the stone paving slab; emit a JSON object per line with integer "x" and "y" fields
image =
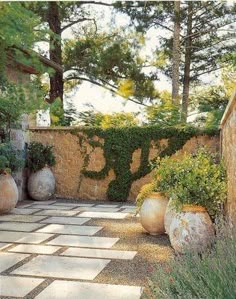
{"x": 106, "y": 206}
{"x": 95, "y": 209}
{"x": 100, "y": 253}
{"x": 85, "y": 290}
{"x": 133, "y": 210}
{"x": 21, "y": 227}
{"x": 128, "y": 206}
{"x": 10, "y": 259}
{"x": 43, "y": 202}
{"x": 70, "y": 229}
{"x": 11, "y": 286}
{"x": 66, "y": 220}
{"x": 104, "y": 215}
{"x": 73, "y": 204}
{"x": 63, "y": 267}
{"x": 20, "y": 206}
{"x": 39, "y": 249}
{"x": 4, "y": 245}
{"x": 21, "y": 218}
{"x": 57, "y": 213}
{"x": 83, "y": 241}
{"x": 23, "y": 237}
{"x": 50, "y": 207}
{"x": 25, "y": 211}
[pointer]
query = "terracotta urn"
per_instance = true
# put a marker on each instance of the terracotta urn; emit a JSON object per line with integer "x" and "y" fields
{"x": 41, "y": 184}
{"x": 191, "y": 229}
{"x": 169, "y": 215}
{"x": 8, "y": 193}
{"x": 152, "y": 213}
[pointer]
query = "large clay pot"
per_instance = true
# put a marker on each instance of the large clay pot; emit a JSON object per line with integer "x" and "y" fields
{"x": 8, "y": 193}
{"x": 169, "y": 215}
{"x": 191, "y": 230}
{"x": 152, "y": 213}
{"x": 41, "y": 184}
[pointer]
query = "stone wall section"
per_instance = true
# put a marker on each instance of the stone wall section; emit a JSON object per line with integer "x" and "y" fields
{"x": 228, "y": 148}
{"x": 69, "y": 163}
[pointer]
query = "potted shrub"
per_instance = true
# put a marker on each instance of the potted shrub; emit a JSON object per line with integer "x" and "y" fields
{"x": 197, "y": 187}
{"x": 10, "y": 160}
{"x": 152, "y": 206}
{"x": 41, "y": 183}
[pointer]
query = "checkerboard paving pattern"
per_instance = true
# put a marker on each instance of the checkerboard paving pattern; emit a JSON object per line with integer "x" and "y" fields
{"x": 48, "y": 251}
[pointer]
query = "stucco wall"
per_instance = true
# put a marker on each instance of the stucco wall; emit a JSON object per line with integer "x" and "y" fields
{"x": 69, "y": 162}
{"x": 228, "y": 147}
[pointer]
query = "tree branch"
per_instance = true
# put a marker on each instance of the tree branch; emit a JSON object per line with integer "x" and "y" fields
{"x": 105, "y": 87}
{"x": 75, "y": 22}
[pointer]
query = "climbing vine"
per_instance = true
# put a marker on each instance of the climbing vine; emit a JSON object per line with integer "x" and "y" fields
{"x": 118, "y": 147}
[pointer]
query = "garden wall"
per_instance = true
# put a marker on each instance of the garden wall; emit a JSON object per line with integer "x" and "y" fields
{"x": 228, "y": 148}
{"x": 76, "y": 152}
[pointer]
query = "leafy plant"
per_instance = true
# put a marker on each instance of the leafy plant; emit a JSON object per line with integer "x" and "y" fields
{"x": 39, "y": 155}
{"x": 11, "y": 159}
{"x": 195, "y": 179}
{"x": 192, "y": 276}
{"x": 145, "y": 191}
{"x": 119, "y": 145}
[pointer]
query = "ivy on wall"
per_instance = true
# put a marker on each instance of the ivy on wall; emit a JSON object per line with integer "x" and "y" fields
{"x": 119, "y": 145}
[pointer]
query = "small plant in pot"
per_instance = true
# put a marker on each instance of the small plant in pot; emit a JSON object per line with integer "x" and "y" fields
{"x": 41, "y": 183}
{"x": 10, "y": 160}
{"x": 152, "y": 205}
{"x": 197, "y": 187}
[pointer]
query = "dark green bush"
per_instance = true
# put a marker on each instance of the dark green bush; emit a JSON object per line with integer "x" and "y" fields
{"x": 11, "y": 159}
{"x": 211, "y": 275}
{"x": 39, "y": 155}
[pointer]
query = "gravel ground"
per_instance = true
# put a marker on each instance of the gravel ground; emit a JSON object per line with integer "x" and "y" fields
{"x": 151, "y": 252}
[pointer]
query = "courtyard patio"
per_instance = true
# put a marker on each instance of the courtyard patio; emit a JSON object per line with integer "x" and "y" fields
{"x": 58, "y": 249}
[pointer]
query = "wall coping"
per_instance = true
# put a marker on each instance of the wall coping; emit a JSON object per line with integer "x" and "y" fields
{"x": 229, "y": 109}
{"x": 55, "y": 128}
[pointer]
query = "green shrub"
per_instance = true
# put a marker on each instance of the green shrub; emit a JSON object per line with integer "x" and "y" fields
{"x": 195, "y": 179}
{"x": 11, "y": 159}
{"x": 192, "y": 276}
{"x": 39, "y": 155}
{"x": 145, "y": 191}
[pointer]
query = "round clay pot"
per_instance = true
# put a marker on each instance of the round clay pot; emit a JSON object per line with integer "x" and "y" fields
{"x": 41, "y": 184}
{"x": 191, "y": 230}
{"x": 152, "y": 213}
{"x": 8, "y": 193}
{"x": 169, "y": 215}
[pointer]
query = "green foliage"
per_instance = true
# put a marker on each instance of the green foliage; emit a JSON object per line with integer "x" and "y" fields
{"x": 14, "y": 101}
{"x": 111, "y": 61}
{"x": 164, "y": 113}
{"x": 192, "y": 276}
{"x": 119, "y": 146}
{"x": 145, "y": 191}
{"x": 16, "y": 24}
{"x": 11, "y": 159}
{"x": 195, "y": 179}
{"x": 90, "y": 118}
{"x": 39, "y": 156}
{"x": 61, "y": 116}
{"x": 213, "y": 101}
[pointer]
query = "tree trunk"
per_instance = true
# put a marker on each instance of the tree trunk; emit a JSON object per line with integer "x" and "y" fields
{"x": 176, "y": 54}
{"x": 187, "y": 64}
{"x": 55, "y": 51}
